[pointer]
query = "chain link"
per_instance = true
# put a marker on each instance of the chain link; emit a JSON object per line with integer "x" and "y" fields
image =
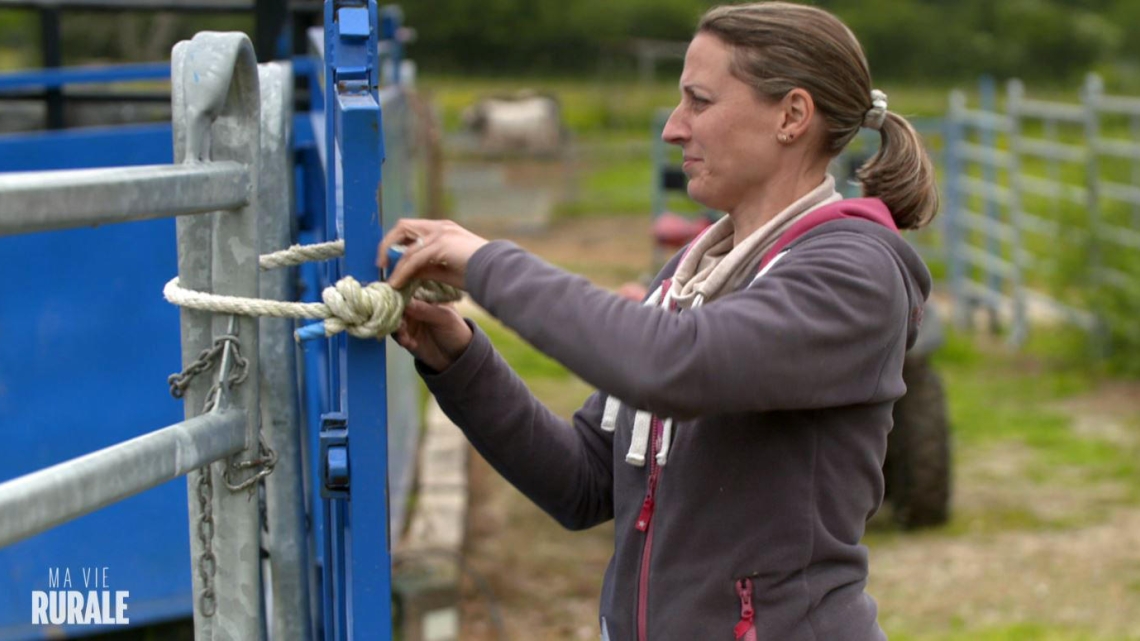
{"x": 207, "y": 562}
{"x": 227, "y": 348}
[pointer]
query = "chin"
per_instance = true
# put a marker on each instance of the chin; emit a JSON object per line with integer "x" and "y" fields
{"x": 703, "y": 196}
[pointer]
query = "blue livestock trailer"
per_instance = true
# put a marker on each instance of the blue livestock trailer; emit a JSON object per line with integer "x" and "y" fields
{"x": 87, "y": 341}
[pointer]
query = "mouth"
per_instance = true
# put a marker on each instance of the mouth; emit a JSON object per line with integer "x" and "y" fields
{"x": 688, "y": 161}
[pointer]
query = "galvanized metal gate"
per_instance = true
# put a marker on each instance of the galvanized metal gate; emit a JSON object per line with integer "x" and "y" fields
{"x": 1042, "y": 207}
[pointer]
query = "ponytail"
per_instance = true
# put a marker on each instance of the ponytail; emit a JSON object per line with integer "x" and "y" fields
{"x": 901, "y": 174}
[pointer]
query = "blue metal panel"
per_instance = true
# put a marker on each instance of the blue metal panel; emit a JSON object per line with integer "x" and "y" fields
{"x": 357, "y": 565}
{"x": 93, "y": 147}
{"x": 55, "y": 78}
{"x": 83, "y": 365}
{"x": 366, "y": 386}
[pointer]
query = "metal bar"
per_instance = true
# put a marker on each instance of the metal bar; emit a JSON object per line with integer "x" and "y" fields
{"x": 954, "y": 134}
{"x": 286, "y": 538}
{"x": 1123, "y": 236}
{"x": 983, "y": 120}
{"x": 1041, "y": 226}
{"x": 1116, "y": 191}
{"x": 1015, "y": 99}
{"x": 1091, "y": 98}
{"x": 140, "y": 5}
{"x": 215, "y": 79}
{"x": 235, "y": 272}
{"x": 1121, "y": 105}
{"x": 1051, "y": 150}
{"x": 1119, "y": 148}
{"x": 359, "y": 135}
{"x": 1134, "y": 131}
{"x": 1120, "y": 280}
{"x": 44, "y": 499}
{"x": 84, "y": 98}
{"x": 369, "y": 566}
{"x": 52, "y": 58}
{"x": 54, "y": 78}
{"x": 47, "y": 200}
{"x": 989, "y": 178}
{"x": 987, "y": 261}
{"x": 980, "y": 293}
{"x": 990, "y": 227}
{"x": 990, "y": 192}
{"x": 984, "y": 155}
{"x": 1027, "y": 108}
{"x": 1052, "y": 166}
{"x": 194, "y": 272}
{"x": 1050, "y": 189}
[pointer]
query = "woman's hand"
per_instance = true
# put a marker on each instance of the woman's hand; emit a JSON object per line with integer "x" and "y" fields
{"x": 436, "y": 250}
{"x": 435, "y": 334}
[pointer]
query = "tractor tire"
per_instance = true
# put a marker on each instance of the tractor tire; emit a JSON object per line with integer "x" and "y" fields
{"x": 917, "y": 469}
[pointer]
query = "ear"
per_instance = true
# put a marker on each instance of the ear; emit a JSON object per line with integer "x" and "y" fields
{"x": 798, "y": 109}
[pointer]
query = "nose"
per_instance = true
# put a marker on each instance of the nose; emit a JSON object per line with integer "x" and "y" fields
{"x": 676, "y": 130}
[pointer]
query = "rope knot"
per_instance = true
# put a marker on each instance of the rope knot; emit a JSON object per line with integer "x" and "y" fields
{"x": 370, "y": 311}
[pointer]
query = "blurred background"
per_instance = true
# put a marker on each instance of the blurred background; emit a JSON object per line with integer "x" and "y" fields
{"x": 1014, "y": 507}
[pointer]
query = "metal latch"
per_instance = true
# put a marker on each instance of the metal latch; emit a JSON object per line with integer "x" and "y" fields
{"x": 335, "y": 473}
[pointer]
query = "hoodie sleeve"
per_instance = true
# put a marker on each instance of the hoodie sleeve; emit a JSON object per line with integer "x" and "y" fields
{"x": 816, "y": 331}
{"x": 565, "y": 467}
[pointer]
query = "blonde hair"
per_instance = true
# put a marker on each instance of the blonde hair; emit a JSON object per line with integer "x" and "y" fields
{"x": 780, "y": 46}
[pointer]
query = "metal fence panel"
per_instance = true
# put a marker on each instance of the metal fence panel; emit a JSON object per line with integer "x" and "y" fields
{"x": 1061, "y": 187}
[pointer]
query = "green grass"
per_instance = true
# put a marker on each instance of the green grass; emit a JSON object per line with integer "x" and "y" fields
{"x": 612, "y": 185}
{"x": 528, "y": 362}
{"x": 1018, "y": 632}
{"x": 999, "y": 397}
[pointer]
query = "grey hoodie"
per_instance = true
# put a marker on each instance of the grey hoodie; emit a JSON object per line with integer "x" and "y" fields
{"x": 781, "y": 394}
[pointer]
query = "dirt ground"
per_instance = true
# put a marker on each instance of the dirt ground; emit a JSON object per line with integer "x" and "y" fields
{"x": 1080, "y": 571}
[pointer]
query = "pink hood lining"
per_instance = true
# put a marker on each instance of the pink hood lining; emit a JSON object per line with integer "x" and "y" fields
{"x": 871, "y": 209}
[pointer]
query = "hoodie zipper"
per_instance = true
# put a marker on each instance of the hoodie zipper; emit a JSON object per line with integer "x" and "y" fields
{"x": 645, "y": 524}
{"x": 645, "y": 516}
{"x": 746, "y": 628}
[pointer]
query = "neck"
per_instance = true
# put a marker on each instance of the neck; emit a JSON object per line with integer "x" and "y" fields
{"x": 766, "y": 203}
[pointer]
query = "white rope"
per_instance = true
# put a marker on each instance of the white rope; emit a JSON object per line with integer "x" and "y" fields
{"x": 369, "y": 311}
{"x": 298, "y": 254}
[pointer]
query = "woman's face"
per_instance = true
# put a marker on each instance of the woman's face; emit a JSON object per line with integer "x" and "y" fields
{"x": 727, "y": 133}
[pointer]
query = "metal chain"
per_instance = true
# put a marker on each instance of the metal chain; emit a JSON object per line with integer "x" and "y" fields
{"x": 266, "y": 460}
{"x": 228, "y": 348}
{"x": 207, "y": 562}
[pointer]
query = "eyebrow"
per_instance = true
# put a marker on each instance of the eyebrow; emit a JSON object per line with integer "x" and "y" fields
{"x": 691, "y": 88}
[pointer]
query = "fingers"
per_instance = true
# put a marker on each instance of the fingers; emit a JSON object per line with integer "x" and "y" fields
{"x": 404, "y": 338}
{"x": 435, "y": 250}
{"x": 428, "y": 313}
{"x": 406, "y": 231}
{"x": 420, "y": 260}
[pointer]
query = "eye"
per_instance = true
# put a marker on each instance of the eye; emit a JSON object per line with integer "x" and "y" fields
{"x": 699, "y": 102}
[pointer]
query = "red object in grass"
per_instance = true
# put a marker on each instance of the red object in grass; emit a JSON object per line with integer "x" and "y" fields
{"x": 674, "y": 230}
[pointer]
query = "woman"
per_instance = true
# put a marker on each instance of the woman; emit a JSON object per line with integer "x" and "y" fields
{"x": 739, "y": 429}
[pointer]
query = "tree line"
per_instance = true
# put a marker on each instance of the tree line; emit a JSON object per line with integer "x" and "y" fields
{"x": 919, "y": 40}
{"x": 928, "y": 41}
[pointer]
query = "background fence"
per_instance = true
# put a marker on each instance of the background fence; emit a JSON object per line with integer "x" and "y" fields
{"x": 1041, "y": 211}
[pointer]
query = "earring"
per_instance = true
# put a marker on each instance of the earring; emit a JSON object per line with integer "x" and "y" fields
{"x": 783, "y": 137}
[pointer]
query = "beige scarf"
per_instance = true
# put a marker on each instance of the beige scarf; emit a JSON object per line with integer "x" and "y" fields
{"x": 713, "y": 266}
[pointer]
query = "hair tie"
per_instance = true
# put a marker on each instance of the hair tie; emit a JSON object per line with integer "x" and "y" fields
{"x": 878, "y": 112}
